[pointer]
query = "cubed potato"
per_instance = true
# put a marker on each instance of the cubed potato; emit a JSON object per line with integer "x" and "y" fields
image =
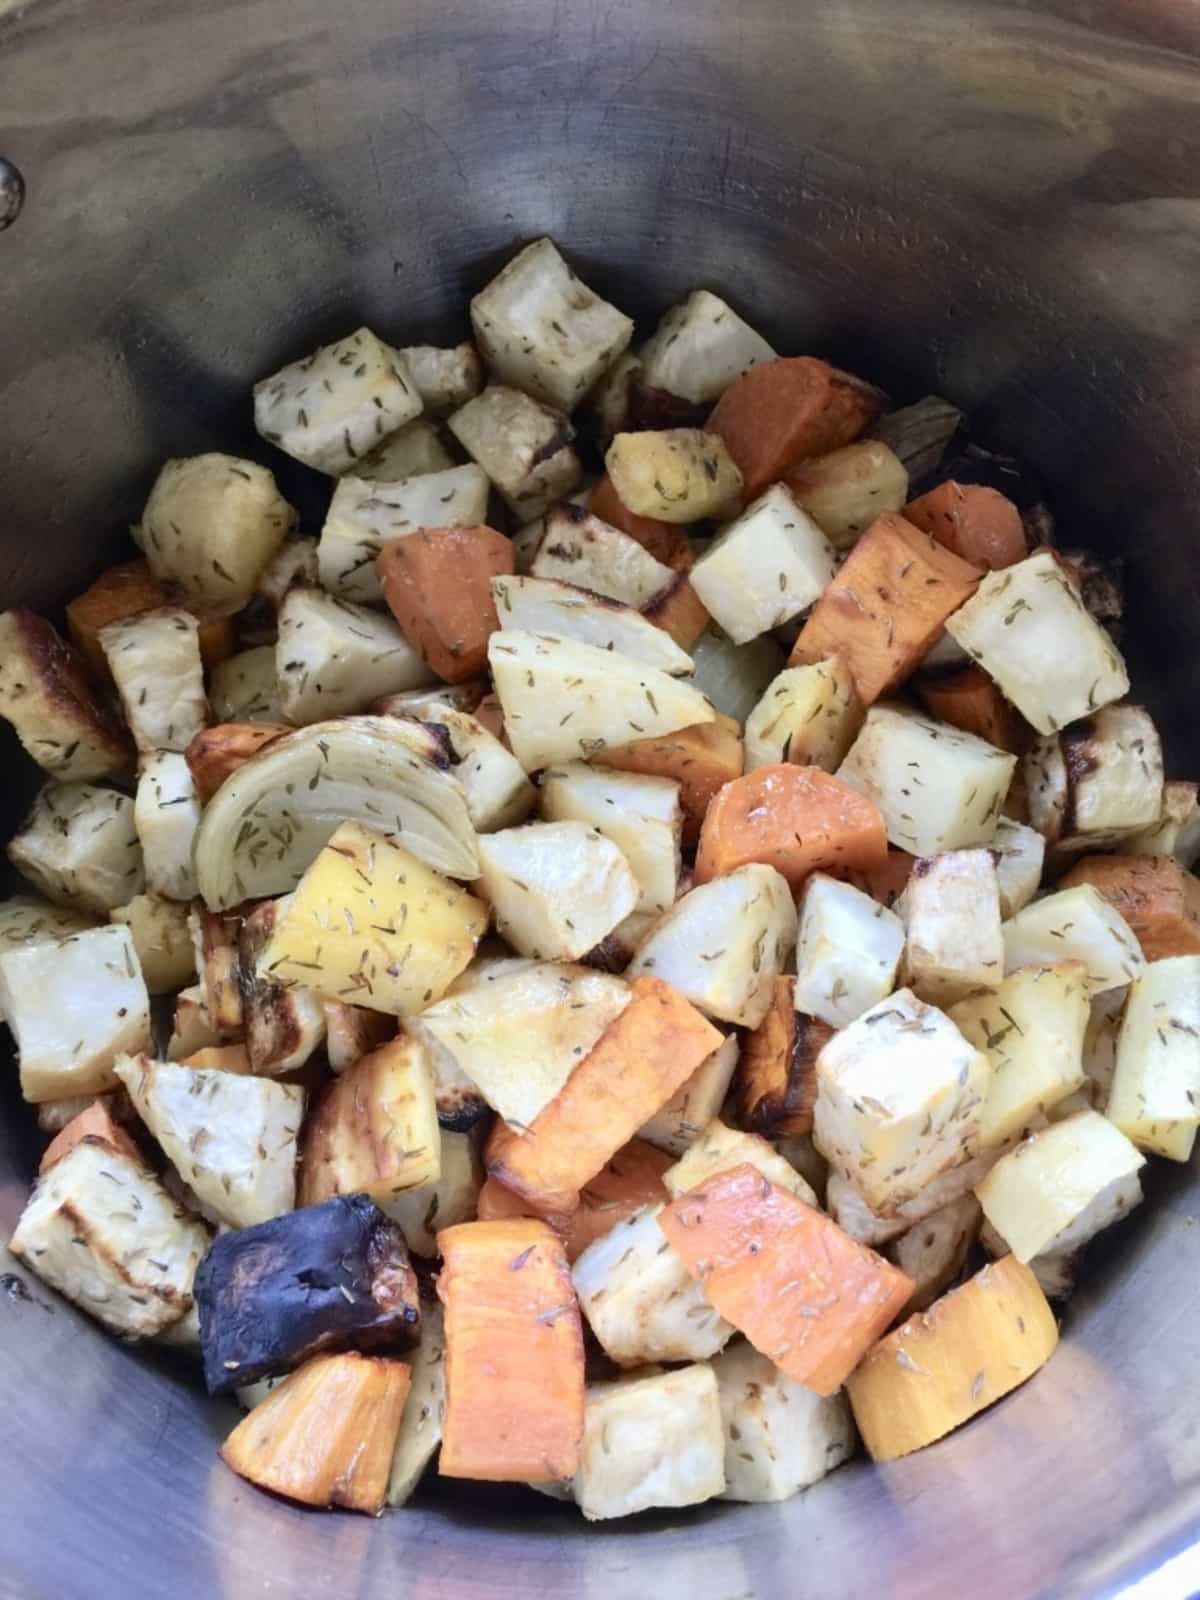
{"x": 788, "y": 410}
{"x": 556, "y": 888}
{"x": 776, "y": 1087}
{"x": 437, "y": 584}
{"x": 338, "y": 403}
{"x": 1062, "y": 1185}
{"x": 953, "y": 942}
{"x": 675, "y": 1125}
{"x": 855, "y": 1217}
{"x": 412, "y": 450}
{"x": 446, "y": 377}
{"x": 847, "y": 951}
{"x": 1029, "y": 629}
{"x": 211, "y": 525}
{"x": 934, "y": 1251}
{"x": 155, "y": 663}
{"x": 766, "y": 567}
{"x": 618, "y": 948}
{"x": 159, "y": 930}
{"x": 27, "y": 920}
{"x": 580, "y": 549}
{"x": 375, "y": 1131}
{"x": 808, "y": 715}
{"x": 609, "y": 698}
{"x": 735, "y": 677}
{"x": 525, "y": 448}
{"x": 103, "y": 1231}
{"x": 352, "y": 1031}
{"x": 1176, "y": 832}
{"x": 846, "y": 490}
{"x": 284, "y": 1023}
{"x": 441, "y": 1202}
{"x": 1158, "y": 900}
{"x": 1032, "y": 1030}
{"x": 1155, "y": 1096}
{"x": 420, "y": 1432}
{"x": 519, "y": 1032}
{"x": 1019, "y": 853}
{"x": 700, "y": 759}
{"x": 612, "y": 398}
{"x": 79, "y": 847}
{"x": 886, "y": 606}
{"x": 899, "y": 1101}
{"x": 547, "y": 605}
{"x": 333, "y": 657}
{"x": 779, "y": 1436}
{"x": 363, "y": 515}
{"x": 677, "y": 475}
{"x": 192, "y": 1028}
{"x": 63, "y": 723}
{"x": 650, "y": 1442}
{"x": 1096, "y": 782}
{"x": 166, "y": 814}
{"x": 494, "y": 785}
{"x": 125, "y": 591}
{"x": 919, "y": 433}
{"x": 370, "y": 923}
{"x": 723, "y": 944}
{"x": 1076, "y": 924}
{"x": 639, "y": 1299}
{"x": 640, "y": 815}
{"x": 1056, "y": 1271}
{"x": 245, "y": 688}
{"x": 215, "y": 941}
{"x": 540, "y": 328}
{"x": 976, "y": 522}
{"x": 965, "y": 697}
{"x": 699, "y": 348}
{"x": 294, "y": 562}
{"x": 717, "y": 1148}
{"x": 938, "y": 789}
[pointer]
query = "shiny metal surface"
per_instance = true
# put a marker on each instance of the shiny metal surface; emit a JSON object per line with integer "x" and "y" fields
{"x": 996, "y": 201}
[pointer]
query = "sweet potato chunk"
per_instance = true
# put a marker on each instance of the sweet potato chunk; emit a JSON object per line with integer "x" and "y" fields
{"x": 798, "y": 820}
{"x": 635, "y": 1067}
{"x": 784, "y": 411}
{"x": 776, "y": 1082}
{"x": 886, "y": 606}
{"x": 497, "y": 1203}
{"x": 628, "y": 1181}
{"x": 514, "y": 1354}
{"x": 967, "y": 698}
{"x": 976, "y": 522}
{"x": 216, "y": 753}
{"x": 1157, "y": 898}
{"x": 664, "y": 540}
{"x": 701, "y": 760}
{"x": 96, "y": 1122}
{"x": 127, "y": 591}
{"x": 802, "y": 1291}
{"x": 437, "y": 583}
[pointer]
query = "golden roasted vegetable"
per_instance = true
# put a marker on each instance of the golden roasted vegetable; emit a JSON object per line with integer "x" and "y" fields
{"x": 776, "y": 1082}
{"x": 63, "y": 723}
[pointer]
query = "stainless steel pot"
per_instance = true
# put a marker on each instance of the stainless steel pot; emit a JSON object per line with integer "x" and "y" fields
{"x": 997, "y": 202}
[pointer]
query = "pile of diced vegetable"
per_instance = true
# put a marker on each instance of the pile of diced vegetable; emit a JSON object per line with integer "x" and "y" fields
{"x": 669, "y": 968}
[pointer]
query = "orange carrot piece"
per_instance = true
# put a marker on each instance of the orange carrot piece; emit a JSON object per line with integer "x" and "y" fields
{"x": 885, "y": 608}
{"x": 798, "y": 820}
{"x": 888, "y": 882}
{"x": 216, "y": 753}
{"x": 805, "y": 1294}
{"x": 701, "y": 760}
{"x": 94, "y": 1122}
{"x": 784, "y": 411}
{"x": 776, "y": 1081}
{"x": 437, "y": 583}
{"x": 635, "y": 1067}
{"x": 1157, "y": 898}
{"x": 967, "y": 698}
{"x": 514, "y": 1354}
{"x": 976, "y": 522}
{"x": 127, "y": 591}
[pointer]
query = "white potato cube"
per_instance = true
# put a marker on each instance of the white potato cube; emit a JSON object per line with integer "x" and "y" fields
{"x": 283, "y": 1023}
{"x": 1029, "y": 629}
{"x": 937, "y": 787}
{"x": 1075, "y": 925}
{"x": 230, "y": 1137}
{"x": 79, "y": 846}
{"x": 609, "y": 699}
{"x": 899, "y": 1098}
{"x": 1097, "y": 781}
{"x": 722, "y": 945}
{"x": 1020, "y": 854}
{"x": 192, "y": 1028}
{"x": 641, "y": 815}
{"x": 808, "y": 715}
{"x": 424, "y": 1409}
{"x": 1176, "y": 832}
{"x": 675, "y": 475}
{"x": 766, "y": 567}
{"x": 74, "y": 1005}
{"x": 1032, "y": 1029}
{"x": 779, "y": 1436}
{"x": 363, "y": 515}
{"x": 451, "y": 1198}
{"x": 294, "y": 562}
{"x": 845, "y": 491}
{"x": 496, "y": 790}
{"x": 62, "y": 721}
{"x": 155, "y": 662}
{"x": 640, "y": 1300}
{"x": 652, "y": 1442}
{"x": 934, "y": 1251}
{"x": 446, "y": 377}
{"x": 1155, "y": 1096}
{"x": 1062, "y": 1185}
{"x": 334, "y": 657}
{"x": 525, "y": 448}
{"x": 166, "y": 814}
{"x": 719, "y": 1147}
{"x": 674, "y": 1126}
{"x": 556, "y": 887}
{"x": 212, "y": 524}
{"x": 1055, "y": 1271}
{"x": 103, "y": 1231}
{"x": 540, "y": 328}
{"x": 612, "y": 397}
{"x": 338, "y": 403}
{"x": 162, "y": 940}
{"x": 854, "y": 1216}
{"x": 547, "y": 605}
{"x": 699, "y": 348}
{"x": 583, "y": 550}
{"x": 27, "y": 920}
{"x": 852, "y": 1213}
{"x": 952, "y": 911}
{"x": 735, "y": 677}
{"x": 847, "y": 951}
{"x": 410, "y": 451}
{"x": 245, "y": 687}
